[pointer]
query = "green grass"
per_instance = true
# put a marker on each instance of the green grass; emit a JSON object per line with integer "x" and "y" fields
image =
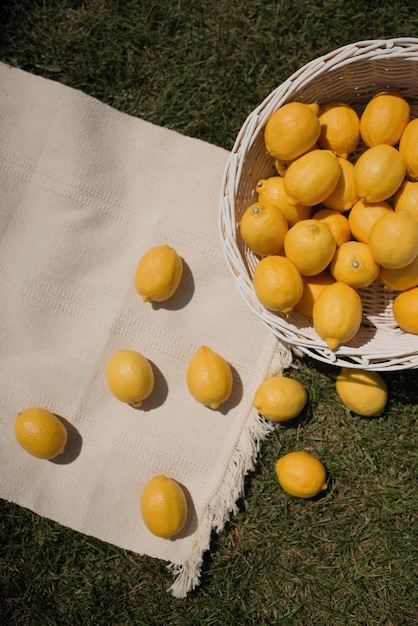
{"x": 345, "y": 559}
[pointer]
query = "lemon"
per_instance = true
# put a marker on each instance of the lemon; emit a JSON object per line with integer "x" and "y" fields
{"x": 337, "y": 314}
{"x": 405, "y": 310}
{"x": 336, "y": 222}
{"x": 408, "y": 147}
{"x": 282, "y": 166}
{"x": 310, "y": 245}
{"x": 130, "y": 377}
{"x": 292, "y": 130}
{"x": 354, "y": 265}
{"x": 340, "y": 128}
{"x": 40, "y": 433}
{"x": 301, "y": 474}
{"x": 277, "y": 283}
{"x": 209, "y": 378}
{"x": 271, "y": 190}
{"x": 406, "y": 198}
{"x": 393, "y": 240}
{"x": 363, "y": 215}
{"x": 384, "y": 119}
{"x": 362, "y": 391}
{"x": 344, "y": 194}
{"x": 378, "y": 173}
{"x": 312, "y": 177}
{"x": 164, "y": 507}
{"x": 402, "y": 278}
{"x": 312, "y": 287}
{"x": 263, "y": 228}
{"x": 158, "y": 274}
{"x": 280, "y": 398}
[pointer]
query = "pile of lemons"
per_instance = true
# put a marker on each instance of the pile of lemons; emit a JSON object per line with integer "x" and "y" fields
{"x": 341, "y": 213}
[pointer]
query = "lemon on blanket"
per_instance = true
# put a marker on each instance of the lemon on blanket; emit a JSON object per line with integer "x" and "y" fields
{"x": 362, "y": 391}
{"x": 301, "y": 474}
{"x": 209, "y": 378}
{"x": 164, "y": 507}
{"x": 40, "y": 433}
{"x": 130, "y": 377}
{"x": 158, "y": 273}
{"x": 280, "y": 398}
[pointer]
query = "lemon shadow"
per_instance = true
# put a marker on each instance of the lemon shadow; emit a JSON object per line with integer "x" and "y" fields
{"x": 159, "y": 393}
{"x": 73, "y": 445}
{"x": 236, "y": 393}
{"x": 191, "y": 522}
{"x": 182, "y": 295}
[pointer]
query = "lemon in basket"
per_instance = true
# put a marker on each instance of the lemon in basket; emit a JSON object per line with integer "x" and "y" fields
{"x": 130, "y": 377}
{"x": 393, "y": 240}
{"x": 384, "y": 119}
{"x": 354, "y": 265}
{"x": 402, "y": 278}
{"x": 408, "y": 147}
{"x": 279, "y": 398}
{"x": 312, "y": 287}
{"x": 336, "y": 222}
{"x": 271, "y": 190}
{"x": 362, "y": 391}
{"x": 40, "y": 433}
{"x": 292, "y": 130}
{"x": 406, "y": 198}
{"x": 310, "y": 245}
{"x": 263, "y": 228}
{"x": 363, "y": 215}
{"x": 378, "y": 173}
{"x": 405, "y": 310}
{"x": 340, "y": 128}
{"x": 312, "y": 177}
{"x": 164, "y": 507}
{"x": 158, "y": 273}
{"x": 344, "y": 194}
{"x": 337, "y": 314}
{"x": 209, "y": 378}
{"x": 301, "y": 474}
{"x": 277, "y": 283}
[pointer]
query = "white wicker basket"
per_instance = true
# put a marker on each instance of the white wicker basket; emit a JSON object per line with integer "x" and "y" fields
{"x": 352, "y": 73}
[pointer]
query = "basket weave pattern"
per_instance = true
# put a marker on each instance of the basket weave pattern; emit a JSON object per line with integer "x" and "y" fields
{"x": 353, "y": 74}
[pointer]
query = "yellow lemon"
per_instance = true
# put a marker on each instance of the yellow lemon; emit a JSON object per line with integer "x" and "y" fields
{"x": 282, "y": 166}
{"x": 337, "y": 314}
{"x": 384, "y": 119}
{"x": 405, "y": 310}
{"x": 378, "y": 173}
{"x": 310, "y": 245}
{"x": 402, "y": 278}
{"x": 158, "y": 274}
{"x": 344, "y": 194}
{"x": 301, "y": 474}
{"x": 393, "y": 240}
{"x": 263, "y": 228}
{"x": 277, "y": 283}
{"x": 280, "y": 398}
{"x": 209, "y": 378}
{"x": 362, "y": 391}
{"x": 312, "y": 287}
{"x": 363, "y": 215}
{"x": 292, "y": 130}
{"x": 312, "y": 177}
{"x": 340, "y": 128}
{"x": 406, "y": 198}
{"x": 40, "y": 433}
{"x": 408, "y": 147}
{"x": 271, "y": 190}
{"x": 336, "y": 222}
{"x": 354, "y": 265}
{"x": 130, "y": 377}
{"x": 164, "y": 507}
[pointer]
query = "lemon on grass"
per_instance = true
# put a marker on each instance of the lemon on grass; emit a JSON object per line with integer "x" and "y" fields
{"x": 301, "y": 474}
{"x": 292, "y": 130}
{"x": 209, "y": 378}
{"x": 312, "y": 287}
{"x": 277, "y": 283}
{"x": 336, "y": 222}
{"x": 344, "y": 194}
{"x": 40, "y": 433}
{"x": 271, "y": 190}
{"x": 340, "y": 128}
{"x": 263, "y": 228}
{"x": 363, "y": 215}
{"x": 158, "y": 274}
{"x": 393, "y": 240}
{"x": 312, "y": 177}
{"x": 362, "y": 391}
{"x": 405, "y": 310}
{"x": 337, "y": 314}
{"x": 354, "y": 265}
{"x": 408, "y": 147}
{"x": 402, "y": 278}
{"x": 164, "y": 507}
{"x": 378, "y": 173}
{"x": 130, "y": 377}
{"x": 384, "y": 119}
{"x": 406, "y": 198}
{"x": 310, "y": 245}
{"x": 279, "y": 398}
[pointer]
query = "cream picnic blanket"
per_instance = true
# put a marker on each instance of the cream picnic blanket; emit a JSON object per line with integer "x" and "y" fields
{"x": 84, "y": 192}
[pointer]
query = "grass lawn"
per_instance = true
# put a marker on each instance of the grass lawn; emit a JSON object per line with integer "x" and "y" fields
{"x": 346, "y": 559}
